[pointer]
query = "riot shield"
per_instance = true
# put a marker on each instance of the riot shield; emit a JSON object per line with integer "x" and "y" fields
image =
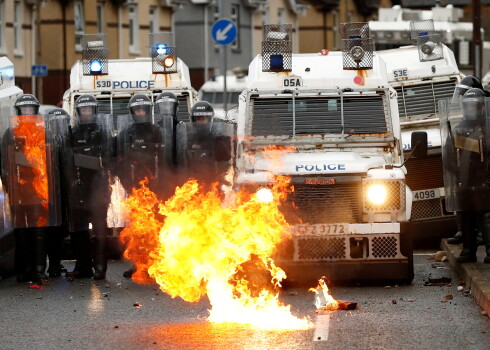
{"x": 87, "y": 167}
{"x": 31, "y": 169}
{"x": 465, "y": 152}
{"x": 205, "y": 154}
{"x": 142, "y": 151}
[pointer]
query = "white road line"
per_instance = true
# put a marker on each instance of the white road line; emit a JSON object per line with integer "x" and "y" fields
{"x": 321, "y": 328}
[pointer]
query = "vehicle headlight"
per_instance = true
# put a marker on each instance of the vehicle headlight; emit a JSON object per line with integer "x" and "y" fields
{"x": 377, "y": 194}
{"x": 264, "y": 195}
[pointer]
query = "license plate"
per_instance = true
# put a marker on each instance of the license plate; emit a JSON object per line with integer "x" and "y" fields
{"x": 292, "y": 82}
{"x": 320, "y": 229}
{"x": 400, "y": 73}
{"x": 424, "y": 195}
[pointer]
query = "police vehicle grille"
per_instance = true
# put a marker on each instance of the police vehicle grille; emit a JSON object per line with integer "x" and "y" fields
{"x": 322, "y": 248}
{"x": 119, "y": 107}
{"x": 427, "y": 209}
{"x": 318, "y": 116}
{"x": 395, "y": 198}
{"x": 425, "y": 173}
{"x": 315, "y": 204}
{"x": 421, "y": 100}
{"x": 384, "y": 247}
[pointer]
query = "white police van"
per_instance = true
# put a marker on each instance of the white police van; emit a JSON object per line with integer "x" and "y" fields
{"x": 114, "y": 81}
{"x": 8, "y": 95}
{"x": 420, "y": 81}
{"x": 335, "y": 117}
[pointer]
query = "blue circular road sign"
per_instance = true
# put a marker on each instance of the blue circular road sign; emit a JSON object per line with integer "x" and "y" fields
{"x": 224, "y": 31}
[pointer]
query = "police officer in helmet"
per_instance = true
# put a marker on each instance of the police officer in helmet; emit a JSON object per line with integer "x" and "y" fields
{"x": 27, "y": 104}
{"x": 87, "y": 167}
{"x": 141, "y": 154}
{"x": 166, "y": 104}
{"x": 470, "y": 169}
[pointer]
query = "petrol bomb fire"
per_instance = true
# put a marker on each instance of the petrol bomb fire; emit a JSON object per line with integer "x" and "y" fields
{"x": 34, "y": 149}
{"x": 193, "y": 246}
{"x": 323, "y": 298}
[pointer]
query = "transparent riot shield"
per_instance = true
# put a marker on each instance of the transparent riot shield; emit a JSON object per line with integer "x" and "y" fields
{"x": 31, "y": 170}
{"x": 143, "y": 151}
{"x": 205, "y": 152}
{"x": 87, "y": 168}
{"x": 465, "y": 151}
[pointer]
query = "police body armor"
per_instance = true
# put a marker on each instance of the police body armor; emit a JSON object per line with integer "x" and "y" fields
{"x": 143, "y": 152}
{"x": 205, "y": 154}
{"x": 87, "y": 167}
{"x": 465, "y": 151}
{"x": 30, "y": 158}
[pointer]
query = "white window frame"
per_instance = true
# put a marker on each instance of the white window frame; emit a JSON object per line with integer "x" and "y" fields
{"x": 281, "y": 15}
{"x": 133, "y": 22}
{"x": 153, "y": 16}
{"x": 100, "y": 17}
{"x": 18, "y": 20}
{"x": 3, "y": 48}
{"x": 79, "y": 19}
{"x": 235, "y": 17}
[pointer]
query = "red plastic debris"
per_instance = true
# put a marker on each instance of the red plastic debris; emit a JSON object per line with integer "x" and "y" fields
{"x": 35, "y": 286}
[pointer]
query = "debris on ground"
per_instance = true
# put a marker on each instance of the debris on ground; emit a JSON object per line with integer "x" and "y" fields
{"x": 137, "y": 305}
{"x": 35, "y": 286}
{"x": 408, "y": 300}
{"x": 293, "y": 293}
{"x": 439, "y": 265}
{"x": 441, "y": 281}
{"x": 107, "y": 285}
{"x": 393, "y": 301}
{"x": 438, "y": 256}
{"x": 446, "y": 298}
{"x": 460, "y": 288}
{"x": 116, "y": 326}
{"x": 484, "y": 313}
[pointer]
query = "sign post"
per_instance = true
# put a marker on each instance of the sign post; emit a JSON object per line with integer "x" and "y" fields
{"x": 224, "y": 32}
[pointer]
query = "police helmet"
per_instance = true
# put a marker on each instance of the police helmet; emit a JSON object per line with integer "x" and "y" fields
{"x": 473, "y": 105}
{"x": 27, "y": 104}
{"x": 468, "y": 82}
{"x": 86, "y": 107}
{"x": 58, "y": 112}
{"x": 140, "y": 108}
{"x": 166, "y": 104}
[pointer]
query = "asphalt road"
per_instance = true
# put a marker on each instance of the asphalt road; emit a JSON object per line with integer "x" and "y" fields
{"x": 89, "y": 315}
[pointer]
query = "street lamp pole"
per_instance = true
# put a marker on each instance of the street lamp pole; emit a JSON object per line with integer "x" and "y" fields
{"x": 477, "y": 37}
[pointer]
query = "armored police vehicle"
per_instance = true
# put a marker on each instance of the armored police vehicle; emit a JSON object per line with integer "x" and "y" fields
{"x": 333, "y": 118}
{"x": 422, "y": 74}
{"x": 8, "y": 95}
{"x": 114, "y": 81}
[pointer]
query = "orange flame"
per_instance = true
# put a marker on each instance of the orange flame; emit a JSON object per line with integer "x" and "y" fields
{"x": 29, "y": 129}
{"x": 323, "y": 299}
{"x": 204, "y": 248}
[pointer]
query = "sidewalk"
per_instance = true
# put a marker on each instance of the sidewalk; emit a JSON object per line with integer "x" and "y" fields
{"x": 476, "y": 275}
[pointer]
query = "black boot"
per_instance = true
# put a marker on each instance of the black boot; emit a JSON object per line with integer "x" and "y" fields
{"x": 40, "y": 253}
{"x": 23, "y": 263}
{"x": 100, "y": 255}
{"x": 80, "y": 242}
{"x": 55, "y": 251}
{"x": 469, "y": 223}
{"x": 457, "y": 239}
{"x": 486, "y": 236}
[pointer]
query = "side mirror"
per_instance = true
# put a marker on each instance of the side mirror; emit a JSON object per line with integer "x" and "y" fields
{"x": 419, "y": 144}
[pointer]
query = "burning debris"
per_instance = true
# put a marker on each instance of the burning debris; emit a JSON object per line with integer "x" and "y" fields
{"x": 193, "y": 246}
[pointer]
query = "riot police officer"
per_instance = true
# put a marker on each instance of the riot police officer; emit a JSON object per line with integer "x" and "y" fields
{"x": 141, "y": 153}
{"x": 468, "y": 82}
{"x": 30, "y": 175}
{"x": 466, "y": 165}
{"x": 87, "y": 168}
{"x": 204, "y": 146}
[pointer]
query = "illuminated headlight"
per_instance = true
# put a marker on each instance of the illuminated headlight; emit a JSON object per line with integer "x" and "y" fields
{"x": 264, "y": 195}
{"x": 377, "y": 194}
{"x": 168, "y": 62}
{"x": 95, "y": 67}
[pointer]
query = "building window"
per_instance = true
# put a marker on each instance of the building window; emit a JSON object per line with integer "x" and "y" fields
{"x": 154, "y": 25}
{"x": 281, "y": 16}
{"x": 235, "y": 17}
{"x": 133, "y": 29}
{"x": 2, "y": 25}
{"x": 100, "y": 18}
{"x": 79, "y": 24}
{"x": 18, "y": 28}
